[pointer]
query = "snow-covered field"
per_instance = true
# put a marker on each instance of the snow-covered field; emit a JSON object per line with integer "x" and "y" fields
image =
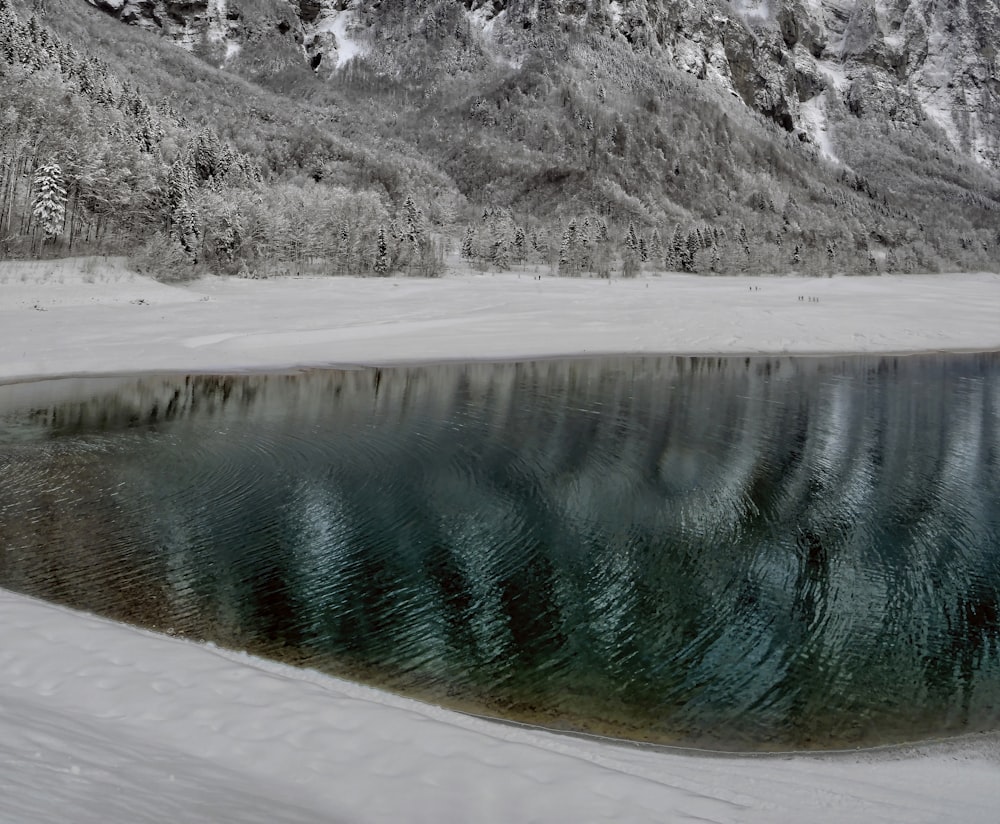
{"x": 60, "y": 318}
{"x": 104, "y": 723}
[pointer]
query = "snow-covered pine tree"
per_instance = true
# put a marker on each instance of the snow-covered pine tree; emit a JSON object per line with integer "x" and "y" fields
{"x": 586, "y": 246}
{"x": 744, "y": 241}
{"x": 891, "y": 261}
{"x": 675, "y": 251}
{"x": 655, "y": 245}
{"x": 180, "y": 184}
{"x": 568, "y": 249}
{"x": 603, "y": 233}
{"x": 631, "y": 239}
{"x": 342, "y": 259}
{"x": 468, "y": 243}
{"x": 206, "y": 153}
{"x": 692, "y": 246}
{"x": 185, "y": 227}
{"x": 381, "y": 266}
{"x": 631, "y": 256}
{"x": 520, "y": 245}
{"x": 49, "y": 208}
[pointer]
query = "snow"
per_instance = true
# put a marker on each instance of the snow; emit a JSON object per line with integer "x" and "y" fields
{"x": 341, "y": 25}
{"x": 487, "y": 21}
{"x": 94, "y": 316}
{"x": 104, "y": 723}
{"x": 753, "y": 12}
{"x": 813, "y": 116}
{"x": 216, "y": 20}
{"x": 615, "y": 10}
{"x": 836, "y": 72}
{"x": 934, "y": 79}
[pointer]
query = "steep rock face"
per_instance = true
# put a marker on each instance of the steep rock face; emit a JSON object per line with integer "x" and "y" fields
{"x": 901, "y": 60}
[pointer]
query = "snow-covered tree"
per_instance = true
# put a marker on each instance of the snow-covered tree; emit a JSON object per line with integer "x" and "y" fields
{"x": 468, "y": 251}
{"x": 381, "y": 265}
{"x": 49, "y": 207}
{"x": 569, "y": 249}
{"x": 206, "y": 154}
{"x": 655, "y": 246}
{"x": 631, "y": 256}
{"x": 185, "y": 227}
{"x": 520, "y": 246}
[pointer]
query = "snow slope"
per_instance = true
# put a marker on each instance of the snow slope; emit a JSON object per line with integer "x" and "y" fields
{"x": 105, "y": 723}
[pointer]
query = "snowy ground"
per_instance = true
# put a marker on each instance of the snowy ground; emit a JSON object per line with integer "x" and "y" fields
{"x": 57, "y": 318}
{"x": 103, "y": 723}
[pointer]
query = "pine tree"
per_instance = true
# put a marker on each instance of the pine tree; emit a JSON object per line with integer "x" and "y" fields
{"x": 568, "y": 249}
{"x": 468, "y": 244}
{"x": 891, "y": 261}
{"x": 49, "y": 208}
{"x": 342, "y": 261}
{"x": 676, "y": 252}
{"x": 585, "y": 246}
{"x": 655, "y": 245}
{"x": 413, "y": 219}
{"x": 520, "y": 247}
{"x": 631, "y": 256}
{"x": 692, "y": 246}
{"x": 744, "y": 241}
{"x": 185, "y": 227}
{"x": 180, "y": 184}
{"x": 603, "y": 233}
{"x": 631, "y": 239}
{"x": 414, "y": 237}
{"x": 381, "y": 266}
{"x": 500, "y": 254}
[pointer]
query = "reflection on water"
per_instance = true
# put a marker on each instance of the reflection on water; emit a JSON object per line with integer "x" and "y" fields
{"x": 738, "y": 553}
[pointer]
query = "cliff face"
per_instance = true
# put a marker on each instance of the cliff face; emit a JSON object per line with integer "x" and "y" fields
{"x": 900, "y": 60}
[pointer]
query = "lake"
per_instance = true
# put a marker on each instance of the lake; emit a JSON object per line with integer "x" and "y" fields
{"x": 733, "y": 553}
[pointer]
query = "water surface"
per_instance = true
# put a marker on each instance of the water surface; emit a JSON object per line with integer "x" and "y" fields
{"x": 727, "y": 552}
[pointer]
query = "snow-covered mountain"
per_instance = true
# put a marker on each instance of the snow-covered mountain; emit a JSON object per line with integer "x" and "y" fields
{"x": 899, "y": 60}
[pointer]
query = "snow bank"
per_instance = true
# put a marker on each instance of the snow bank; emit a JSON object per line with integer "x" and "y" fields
{"x": 104, "y": 723}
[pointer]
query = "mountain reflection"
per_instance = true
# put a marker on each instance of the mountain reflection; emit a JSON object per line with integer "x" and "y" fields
{"x": 746, "y": 553}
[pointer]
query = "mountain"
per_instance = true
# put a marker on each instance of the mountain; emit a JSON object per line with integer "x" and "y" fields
{"x": 597, "y": 136}
{"x": 901, "y": 61}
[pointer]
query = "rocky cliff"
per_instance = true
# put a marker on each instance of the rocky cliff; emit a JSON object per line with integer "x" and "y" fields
{"x": 906, "y": 61}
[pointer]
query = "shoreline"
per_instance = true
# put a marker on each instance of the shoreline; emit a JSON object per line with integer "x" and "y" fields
{"x": 417, "y": 363}
{"x": 342, "y": 750}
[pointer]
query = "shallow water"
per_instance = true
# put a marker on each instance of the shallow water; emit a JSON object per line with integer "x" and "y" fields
{"x": 727, "y": 552}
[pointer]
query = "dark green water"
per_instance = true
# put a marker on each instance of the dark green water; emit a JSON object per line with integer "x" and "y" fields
{"x": 734, "y": 553}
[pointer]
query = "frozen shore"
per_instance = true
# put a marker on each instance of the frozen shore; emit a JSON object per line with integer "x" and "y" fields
{"x": 101, "y": 722}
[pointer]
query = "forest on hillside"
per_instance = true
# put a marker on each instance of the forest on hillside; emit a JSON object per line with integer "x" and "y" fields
{"x": 581, "y": 159}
